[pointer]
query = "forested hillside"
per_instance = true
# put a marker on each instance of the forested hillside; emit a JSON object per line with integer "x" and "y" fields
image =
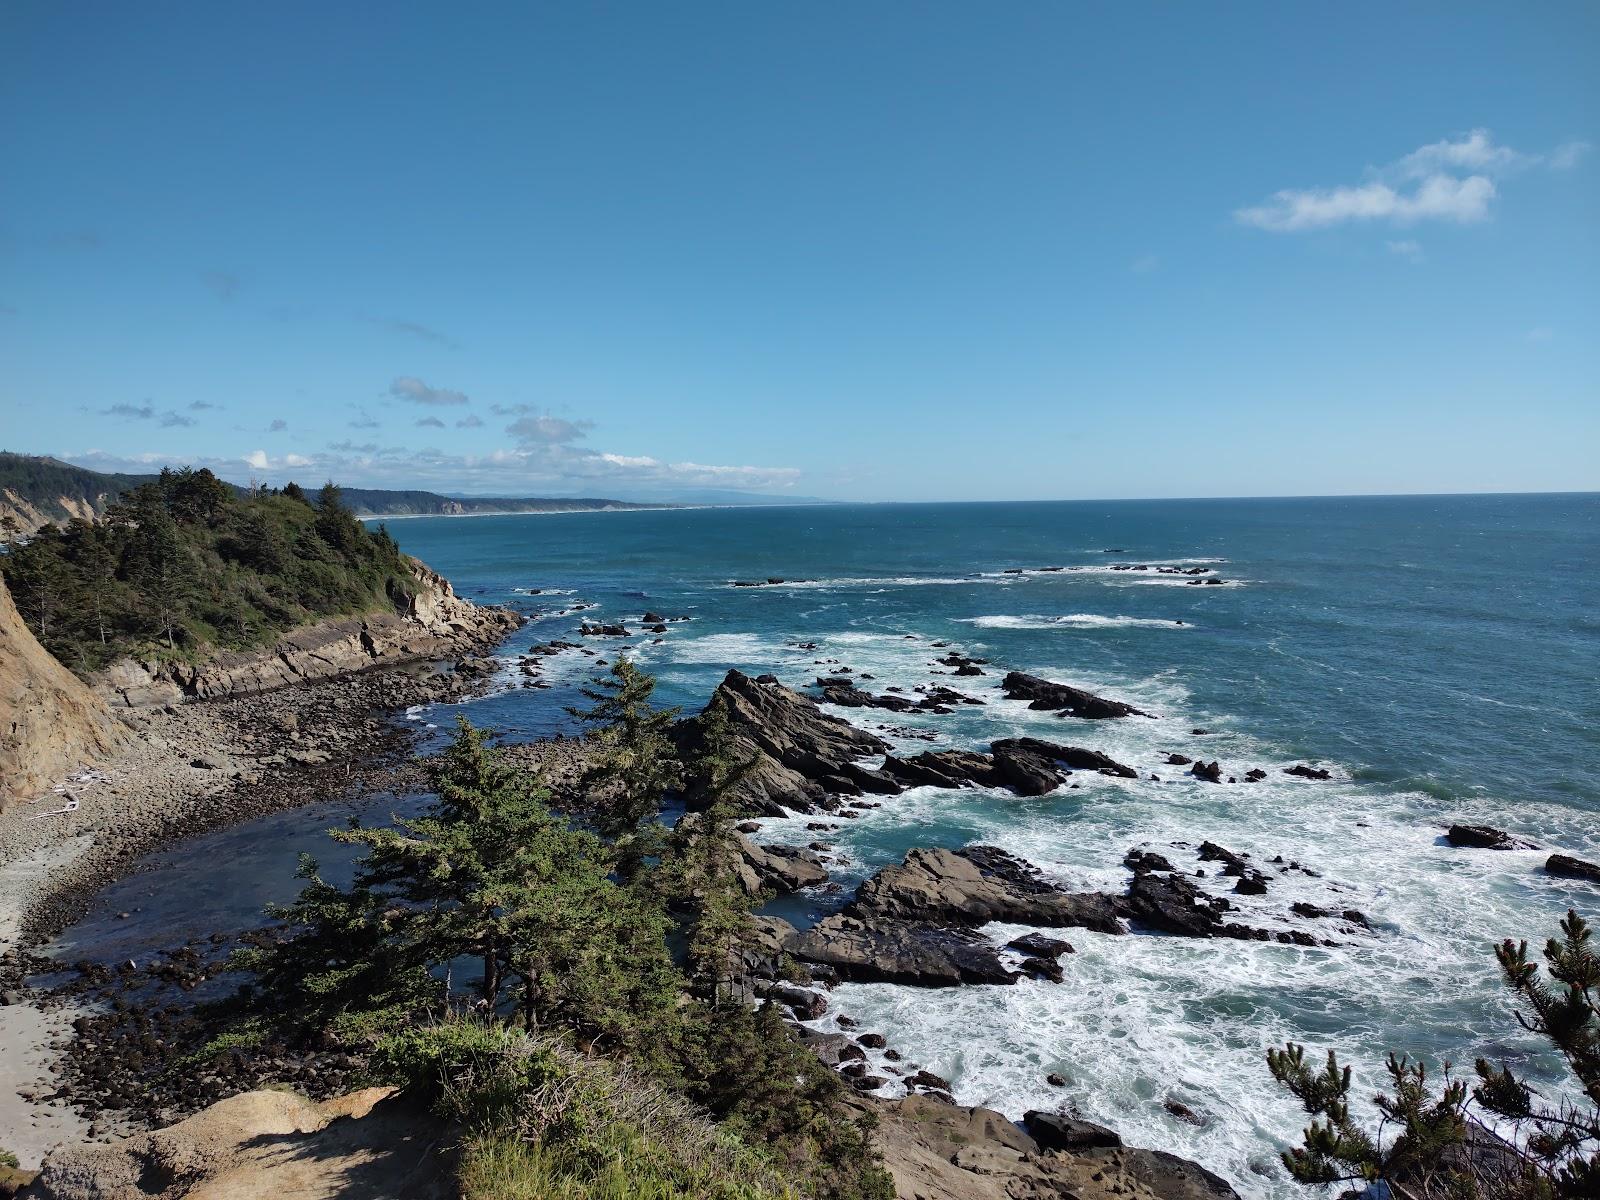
{"x": 185, "y": 562}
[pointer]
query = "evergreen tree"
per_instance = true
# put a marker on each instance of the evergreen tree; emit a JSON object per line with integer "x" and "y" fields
{"x": 702, "y": 867}
{"x": 1439, "y": 1147}
{"x": 634, "y": 765}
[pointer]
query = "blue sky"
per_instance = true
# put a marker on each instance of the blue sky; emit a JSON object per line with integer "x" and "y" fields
{"x": 859, "y": 251}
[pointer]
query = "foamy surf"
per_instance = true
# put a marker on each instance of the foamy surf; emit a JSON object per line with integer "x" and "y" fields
{"x": 1072, "y": 621}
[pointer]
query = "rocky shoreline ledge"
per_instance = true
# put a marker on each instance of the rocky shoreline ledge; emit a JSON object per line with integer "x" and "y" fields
{"x": 171, "y": 770}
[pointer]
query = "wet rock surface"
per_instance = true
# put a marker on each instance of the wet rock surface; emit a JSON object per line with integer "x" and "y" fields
{"x": 1046, "y": 696}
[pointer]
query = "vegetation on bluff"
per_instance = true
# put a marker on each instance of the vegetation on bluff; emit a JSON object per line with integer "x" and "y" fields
{"x": 185, "y": 563}
{"x": 514, "y": 971}
{"x": 1437, "y": 1142}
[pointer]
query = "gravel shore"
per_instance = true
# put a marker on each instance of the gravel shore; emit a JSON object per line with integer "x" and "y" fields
{"x": 189, "y": 769}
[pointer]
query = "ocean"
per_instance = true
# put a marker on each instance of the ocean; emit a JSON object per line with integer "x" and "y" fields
{"x": 1439, "y": 655}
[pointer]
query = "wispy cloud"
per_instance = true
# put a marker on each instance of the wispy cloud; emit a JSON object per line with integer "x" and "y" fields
{"x": 545, "y": 429}
{"x": 430, "y": 423}
{"x": 1452, "y": 180}
{"x": 278, "y": 426}
{"x": 423, "y": 333}
{"x": 224, "y": 285}
{"x": 1568, "y": 155}
{"x": 1407, "y": 249}
{"x": 470, "y": 421}
{"x": 364, "y": 420}
{"x": 1541, "y": 334}
{"x": 1144, "y": 264}
{"x": 202, "y": 406}
{"x": 413, "y": 390}
{"x": 148, "y": 412}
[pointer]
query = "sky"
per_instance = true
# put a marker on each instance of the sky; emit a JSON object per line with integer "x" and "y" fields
{"x": 864, "y": 251}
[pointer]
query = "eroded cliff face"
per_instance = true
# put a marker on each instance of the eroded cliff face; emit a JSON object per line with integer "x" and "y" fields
{"x": 20, "y": 517}
{"x": 50, "y": 723}
{"x": 436, "y": 624}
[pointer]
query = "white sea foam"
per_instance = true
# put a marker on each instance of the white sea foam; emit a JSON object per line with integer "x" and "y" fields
{"x": 1143, "y": 1019}
{"x": 1071, "y": 621}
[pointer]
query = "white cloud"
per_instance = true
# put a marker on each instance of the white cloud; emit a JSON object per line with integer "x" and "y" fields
{"x": 257, "y": 460}
{"x": 296, "y": 460}
{"x": 624, "y": 460}
{"x": 1407, "y": 249}
{"x": 1439, "y": 197}
{"x": 408, "y": 387}
{"x": 1448, "y": 180}
{"x": 1567, "y": 155}
{"x": 1474, "y": 152}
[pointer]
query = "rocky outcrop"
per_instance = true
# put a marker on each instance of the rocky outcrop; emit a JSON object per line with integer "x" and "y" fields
{"x": 1032, "y": 766}
{"x": 915, "y": 923}
{"x": 50, "y": 723}
{"x": 1485, "y": 837}
{"x": 909, "y": 952}
{"x": 941, "y": 1151}
{"x": 1161, "y": 898}
{"x": 1046, "y": 696}
{"x": 266, "y": 1143}
{"x": 435, "y": 624}
{"x": 977, "y": 885}
{"x": 801, "y": 756}
{"x": 1572, "y": 868}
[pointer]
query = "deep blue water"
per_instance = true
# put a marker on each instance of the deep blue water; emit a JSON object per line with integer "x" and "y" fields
{"x": 1440, "y": 654}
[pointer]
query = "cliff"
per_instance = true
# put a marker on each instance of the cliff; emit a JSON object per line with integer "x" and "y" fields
{"x": 50, "y": 723}
{"x": 436, "y": 624}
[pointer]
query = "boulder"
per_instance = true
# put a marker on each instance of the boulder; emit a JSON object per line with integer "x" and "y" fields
{"x": 1572, "y": 868}
{"x": 1211, "y": 772}
{"x": 1057, "y": 1131}
{"x": 1305, "y": 772}
{"x": 1046, "y": 696}
{"x": 1485, "y": 837}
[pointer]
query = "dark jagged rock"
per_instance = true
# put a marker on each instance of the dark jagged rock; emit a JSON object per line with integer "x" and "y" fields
{"x": 1032, "y": 766}
{"x": 1305, "y": 772}
{"x": 1046, "y": 696}
{"x": 794, "y": 744}
{"x": 1572, "y": 868}
{"x": 975, "y": 886}
{"x": 1040, "y": 946}
{"x": 1211, "y": 772}
{"x": 944, "y": 769}
{"x": 907, "y": 952}
{"x": 1254, "y": 775}
{"x": 1178, "y": 760}
{"x": 1047, "y": 969}
{"x": 1057, "y": 1131}
{"x": 1251, "y": 881}
{"x": 1140, "y": 861}
{"x": 1485, "y": 837}
{"x": 1172, "y": 904}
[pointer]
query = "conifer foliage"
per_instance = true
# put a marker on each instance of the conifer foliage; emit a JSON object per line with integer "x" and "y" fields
{"x": 186, "y": 562}
{"x": 1433, "y": 1142}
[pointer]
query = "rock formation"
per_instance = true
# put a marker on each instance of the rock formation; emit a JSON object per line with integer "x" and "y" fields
{"x": 435, "y": 624}
{"x": 1046, "y": 696}
{"x": 50, "y": 723}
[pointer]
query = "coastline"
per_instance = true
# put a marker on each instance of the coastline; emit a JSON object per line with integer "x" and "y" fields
{"x": 188, "y": 769}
